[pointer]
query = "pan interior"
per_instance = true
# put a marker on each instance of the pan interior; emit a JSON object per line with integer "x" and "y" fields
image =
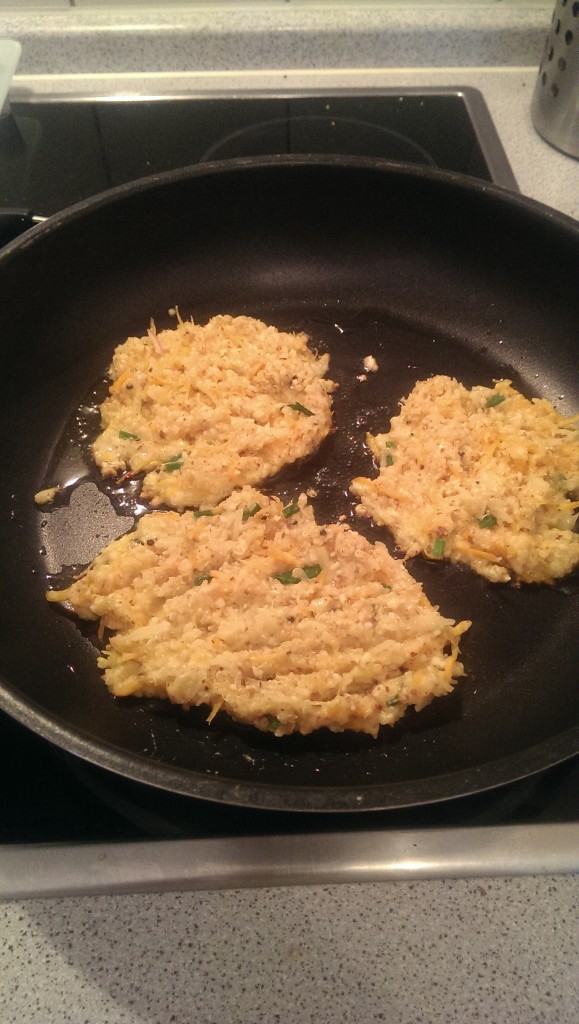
{"x": 454, "y": 731}
{"x": 521, "y": 653}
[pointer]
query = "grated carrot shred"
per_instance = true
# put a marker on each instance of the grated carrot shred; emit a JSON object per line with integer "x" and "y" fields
{"x": 486, "y": 556}
{"x": 119, "y": 382}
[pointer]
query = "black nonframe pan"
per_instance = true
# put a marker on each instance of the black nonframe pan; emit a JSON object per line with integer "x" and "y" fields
{"x": 427, "y": 271}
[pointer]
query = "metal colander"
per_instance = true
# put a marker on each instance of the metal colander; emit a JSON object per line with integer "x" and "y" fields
{"x": 555, "y": 105}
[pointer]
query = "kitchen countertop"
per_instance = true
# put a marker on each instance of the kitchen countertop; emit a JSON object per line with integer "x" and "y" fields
{"x": 409, "y": 952}
{"x": 440, "y": 952}
{"x": 148, "y": 36}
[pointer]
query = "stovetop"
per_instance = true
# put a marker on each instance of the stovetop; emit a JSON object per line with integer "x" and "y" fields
{"x": 56, "y": 153}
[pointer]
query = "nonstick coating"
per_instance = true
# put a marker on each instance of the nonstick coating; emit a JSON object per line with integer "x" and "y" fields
{"x": 430, "y": 273}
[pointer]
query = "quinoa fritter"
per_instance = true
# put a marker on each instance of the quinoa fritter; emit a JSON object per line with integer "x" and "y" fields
{"x": 254, "y": 609}
{"x": 484, "y": 477}
{"x": 202, "y": 410}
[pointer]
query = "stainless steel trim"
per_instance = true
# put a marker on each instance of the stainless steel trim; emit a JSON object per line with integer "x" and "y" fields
{"x": 489, "y": 139}
{"x": 259, "y": 862}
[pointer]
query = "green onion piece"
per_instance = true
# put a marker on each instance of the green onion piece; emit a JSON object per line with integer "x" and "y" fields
{"x": 387, "y": 586}
{"x": 393, "y": 700}
{"x": 290, "y": 510}
{"x": 273, "y": 722}
{"x": 389, "y": 461}
{"x": 438, "y": 547}
{"x": 126, "y": 436}
{"x": 204, "y": 578}
{"x": 174, "y": 463}
{"x": 487, "y": 521}
{"x": 202, "y": 512}
{"x": 249, "y": 512}
{"x": 390, "y": 444}
{"x": 495, "y": 399}
{"x": 298, "y": 407}
{"x": 287, "y": 578}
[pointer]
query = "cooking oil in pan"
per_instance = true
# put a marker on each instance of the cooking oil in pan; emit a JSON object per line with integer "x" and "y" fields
{"x": 522, "y": 623}
{"x": 375, "y": 360}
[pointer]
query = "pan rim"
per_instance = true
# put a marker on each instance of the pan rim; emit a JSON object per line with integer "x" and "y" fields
{"x": 190, "y": 782}
{"x": 378, "y": 165}
{"x": 271, "y": 797}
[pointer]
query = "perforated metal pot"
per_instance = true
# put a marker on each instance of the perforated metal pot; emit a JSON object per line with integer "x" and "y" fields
{"x": 555, "y": 106}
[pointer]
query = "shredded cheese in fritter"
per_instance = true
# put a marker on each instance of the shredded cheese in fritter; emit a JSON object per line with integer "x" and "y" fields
{"x": 262, "y": 613}
{"x": 480, "y": 477}
{"x": 203, "y": 410}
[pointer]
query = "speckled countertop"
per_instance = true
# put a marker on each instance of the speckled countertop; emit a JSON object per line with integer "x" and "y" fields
{"x": 443, "y": 952}
{"x": 502, "y": 951}
{"x": 275, "y": 34}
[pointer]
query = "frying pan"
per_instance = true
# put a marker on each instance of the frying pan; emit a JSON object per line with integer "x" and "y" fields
{"x": 429, "y": 272}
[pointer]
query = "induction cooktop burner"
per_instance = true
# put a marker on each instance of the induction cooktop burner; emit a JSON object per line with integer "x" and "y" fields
{"x": 58, "y": 152}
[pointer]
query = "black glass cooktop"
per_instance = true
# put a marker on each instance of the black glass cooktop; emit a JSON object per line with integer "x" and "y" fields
{"x": 56, "y": 153}
{"x": 53, "y": 154}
